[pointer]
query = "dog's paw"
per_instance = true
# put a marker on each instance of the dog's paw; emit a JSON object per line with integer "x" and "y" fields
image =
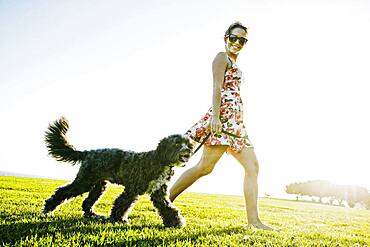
{"x": 95, "y": 216}
{"x": 45, "y": 213}
{"x": 179, "y": 223}
{"x": 120, "y": 221}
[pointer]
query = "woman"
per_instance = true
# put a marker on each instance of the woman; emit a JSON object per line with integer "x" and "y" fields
{"x": 225, "y": 122}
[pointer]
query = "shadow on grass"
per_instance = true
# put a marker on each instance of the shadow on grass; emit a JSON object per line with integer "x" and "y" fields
{"x": 109, "y": 234}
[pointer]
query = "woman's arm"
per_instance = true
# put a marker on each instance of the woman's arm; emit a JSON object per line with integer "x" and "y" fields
{"x": 218, "y": 68}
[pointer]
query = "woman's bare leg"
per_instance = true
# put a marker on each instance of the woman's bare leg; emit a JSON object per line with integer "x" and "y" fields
{"x": 247, "y": 158}
{"x": 210, "y": 156}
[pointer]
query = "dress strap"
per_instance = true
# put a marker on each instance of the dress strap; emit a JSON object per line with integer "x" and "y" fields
{"x": 231, "y": 63}
{"x": 229, "y": 59}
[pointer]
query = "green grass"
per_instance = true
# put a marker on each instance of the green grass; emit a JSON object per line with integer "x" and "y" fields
{"x": 212, "y": 220}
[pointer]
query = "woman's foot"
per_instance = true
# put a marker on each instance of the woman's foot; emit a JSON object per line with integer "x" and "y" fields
{"x": 260, "y": 225}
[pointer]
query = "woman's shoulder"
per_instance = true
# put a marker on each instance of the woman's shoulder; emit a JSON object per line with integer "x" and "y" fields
{"x": 221, "y": 58}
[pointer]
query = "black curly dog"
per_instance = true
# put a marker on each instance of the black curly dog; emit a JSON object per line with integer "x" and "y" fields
{"x": 139, "y": 173}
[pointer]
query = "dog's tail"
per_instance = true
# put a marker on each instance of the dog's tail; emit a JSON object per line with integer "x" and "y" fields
{"x": 57, "y": 143}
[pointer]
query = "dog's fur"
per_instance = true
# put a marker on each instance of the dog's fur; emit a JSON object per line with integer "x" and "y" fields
{"x": 139, "y": 173}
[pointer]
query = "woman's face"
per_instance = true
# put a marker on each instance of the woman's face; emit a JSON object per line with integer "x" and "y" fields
{"x": 233, "y": 42}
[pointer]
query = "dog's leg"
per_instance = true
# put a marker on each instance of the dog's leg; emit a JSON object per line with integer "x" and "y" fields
{"x": 63, "y": 193}
{"x": 95, "y": 193}
{"x": 123, "y": 205}
{"x": 170, "y": 214}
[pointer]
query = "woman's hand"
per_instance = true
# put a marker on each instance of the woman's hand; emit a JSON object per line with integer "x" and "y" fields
{"x": 216, "y": 126}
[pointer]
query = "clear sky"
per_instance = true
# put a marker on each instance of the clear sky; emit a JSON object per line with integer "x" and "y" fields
{"x": 128, "y": 73}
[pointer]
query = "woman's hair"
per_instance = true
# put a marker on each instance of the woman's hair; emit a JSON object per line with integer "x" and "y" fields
{"x": 236, "y": 24}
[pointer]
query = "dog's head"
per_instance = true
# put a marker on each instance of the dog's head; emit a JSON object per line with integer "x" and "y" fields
{"x": 175, "y": 150}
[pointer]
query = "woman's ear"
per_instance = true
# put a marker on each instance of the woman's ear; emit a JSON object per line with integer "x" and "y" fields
{"x": 225, "y": 39}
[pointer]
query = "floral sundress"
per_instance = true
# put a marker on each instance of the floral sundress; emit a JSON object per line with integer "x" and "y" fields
{"x": 231, "y": 115}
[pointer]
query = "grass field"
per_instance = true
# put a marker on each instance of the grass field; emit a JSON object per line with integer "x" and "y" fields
{"x": 212, "y": 220}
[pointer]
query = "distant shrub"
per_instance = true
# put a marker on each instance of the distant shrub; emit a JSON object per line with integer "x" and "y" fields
{"x": 323, "y": 189}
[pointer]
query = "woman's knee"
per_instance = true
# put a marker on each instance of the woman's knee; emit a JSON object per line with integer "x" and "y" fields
{"x": 252, "y": 168}
{"x": 211, "y": 155}
{"x": 205, "y": 167}
{"x": 247, "y": 158}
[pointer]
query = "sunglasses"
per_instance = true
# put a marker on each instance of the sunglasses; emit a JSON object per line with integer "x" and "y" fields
{"x": 233, "y": 38}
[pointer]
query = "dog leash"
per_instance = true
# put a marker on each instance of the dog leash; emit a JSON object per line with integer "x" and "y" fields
{"x": 209, "y": 134}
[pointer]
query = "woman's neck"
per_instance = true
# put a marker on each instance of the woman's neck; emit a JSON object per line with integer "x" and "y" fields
{"x": 232, "y": 56}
